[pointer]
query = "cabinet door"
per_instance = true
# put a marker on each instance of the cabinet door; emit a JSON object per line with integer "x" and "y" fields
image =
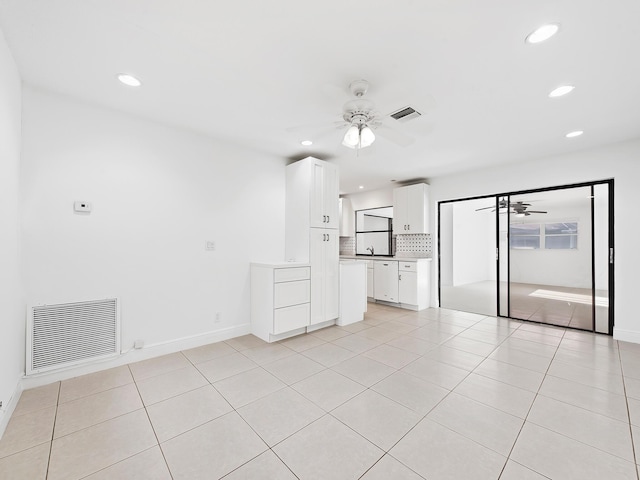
{"x": 416, "y": 208}
{"x": 370, "y": 282}
{"x": 325, "y": 275}
{"x": 318, "y": 217}
{"x": 408, "y": 287}
{"x": 316, "y": 259}
{"x": 331, "y": 275}
{"x": 400, "y": 220}
{"x": 330, "y": 196}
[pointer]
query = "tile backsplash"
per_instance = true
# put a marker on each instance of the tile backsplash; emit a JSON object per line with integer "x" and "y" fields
{"x": 414, "y": 245}
{"x": 347, "y": 245}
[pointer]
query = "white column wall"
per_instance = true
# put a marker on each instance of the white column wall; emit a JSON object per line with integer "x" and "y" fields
{"x": 12, "y": 309}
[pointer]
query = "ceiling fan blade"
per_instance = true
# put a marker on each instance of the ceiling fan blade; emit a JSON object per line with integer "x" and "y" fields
{"x": 309, "y": 128}
{"x": 486, "y": 208}
{"x": 535, "y": 211}
{"x": 393, "y": 135}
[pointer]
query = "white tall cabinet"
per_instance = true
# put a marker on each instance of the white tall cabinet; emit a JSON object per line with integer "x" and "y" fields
{"x": 410, "y": 209}
{"x": 311, "y": 235}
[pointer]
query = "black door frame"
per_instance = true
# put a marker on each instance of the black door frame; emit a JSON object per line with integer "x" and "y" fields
{"x": 611, "y": 246}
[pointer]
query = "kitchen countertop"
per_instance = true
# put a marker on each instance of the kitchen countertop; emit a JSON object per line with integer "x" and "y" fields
{"x": 376, "y": 257}
{"x": 280, "y": 264}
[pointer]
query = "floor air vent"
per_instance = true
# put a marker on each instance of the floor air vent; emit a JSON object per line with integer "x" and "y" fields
{"x": 69, "y": 334}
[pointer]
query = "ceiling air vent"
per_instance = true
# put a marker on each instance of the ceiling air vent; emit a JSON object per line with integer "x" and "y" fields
{"x": 405, "y": 114}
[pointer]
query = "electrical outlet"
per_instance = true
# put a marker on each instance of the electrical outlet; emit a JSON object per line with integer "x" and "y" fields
{"x": 217, "y": 320}
{"x": 210, "y": 245}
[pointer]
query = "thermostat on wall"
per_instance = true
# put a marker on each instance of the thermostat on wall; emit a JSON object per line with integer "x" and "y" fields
{"x": 82, "y": 207}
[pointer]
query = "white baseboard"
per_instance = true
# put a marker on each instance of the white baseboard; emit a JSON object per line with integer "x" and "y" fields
{"x": 632, "y": 336}
{"x": 7, "y": 410}
{"x": 136, "y": 355}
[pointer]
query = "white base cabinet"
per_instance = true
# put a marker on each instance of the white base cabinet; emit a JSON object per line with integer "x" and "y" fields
{"x": 370, "y": 278}
{"x": 280, "y": 300}
{"x": 405, "y": 283}
{"x": 413, "y": 283}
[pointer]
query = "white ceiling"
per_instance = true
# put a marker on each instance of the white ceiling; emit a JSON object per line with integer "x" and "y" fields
{"x": 246, "y": 71}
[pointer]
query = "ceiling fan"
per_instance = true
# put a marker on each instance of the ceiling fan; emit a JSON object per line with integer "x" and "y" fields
{"x": 360, "y": 118}
{"x": 518, "y": 209}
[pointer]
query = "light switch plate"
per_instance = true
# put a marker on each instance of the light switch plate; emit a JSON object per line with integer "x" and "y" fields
{"x": 210, "y": 245}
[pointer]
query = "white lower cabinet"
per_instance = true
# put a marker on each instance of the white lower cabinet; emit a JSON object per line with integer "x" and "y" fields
{"x": 325, "y": 275}
{"x": 403, "y": 282}
{"x": 280, "y": 300}
{"x": 385, "y": 281}
{"x": 370, "y": 278}
{"x": 407, "y": 292}
{"x": 413, "y": 281}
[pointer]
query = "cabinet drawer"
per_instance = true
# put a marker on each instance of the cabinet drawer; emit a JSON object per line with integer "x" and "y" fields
{"x": 292, "y": 274}
{"x": 408, "y": 266}
{"x": 291, "y": 293}
{"x": 290, "y": 318}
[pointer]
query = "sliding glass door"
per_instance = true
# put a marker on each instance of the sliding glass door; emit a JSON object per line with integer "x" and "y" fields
{"x": 542, "y": 255}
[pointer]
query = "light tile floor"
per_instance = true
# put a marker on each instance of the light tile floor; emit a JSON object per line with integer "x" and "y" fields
{"x": 436, "y": 394}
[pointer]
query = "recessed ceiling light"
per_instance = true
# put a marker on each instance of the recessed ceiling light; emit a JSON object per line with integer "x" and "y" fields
{"x": 545, "y": 32}
{"x": 577, "y": 133}
{"x": 560, "y": 91}
{"x": 361, "y": 187}
{"x": 129, "y": 80}
{"x": 306, "y": 143}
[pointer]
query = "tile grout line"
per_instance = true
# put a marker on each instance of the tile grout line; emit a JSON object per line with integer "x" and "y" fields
{"x": 55, "y": 420}
{"x": 626, "y": 401}
{"x": 151, "y": 424}
{"x": 527, "y": 416}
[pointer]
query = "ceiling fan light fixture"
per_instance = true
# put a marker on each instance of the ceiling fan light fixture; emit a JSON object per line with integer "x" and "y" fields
{"x": 519, "y": 215}
{"x": 367, "y": 136}
{"x": 352, "y": 137}
{"x": 545, "y": 32}
{"x": 306, "y": 143}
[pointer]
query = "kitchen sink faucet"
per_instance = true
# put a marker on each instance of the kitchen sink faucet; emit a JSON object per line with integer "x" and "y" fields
{"x": 370, "y": 249}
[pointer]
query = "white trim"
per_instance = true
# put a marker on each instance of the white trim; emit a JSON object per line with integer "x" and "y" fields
{"x": 136, "y": 355}
{"x": 7, "y": 410}
{"x": 631, "y": 336}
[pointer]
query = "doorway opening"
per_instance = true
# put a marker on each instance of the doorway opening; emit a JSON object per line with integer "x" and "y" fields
{"x": 543, "y": 255}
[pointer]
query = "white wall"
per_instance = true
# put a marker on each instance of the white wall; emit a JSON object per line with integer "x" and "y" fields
{"x": 12, "y": 310}
{"x": 620, "y": 161}
{"x": 372, "y": 199}
{"x": 474, "y": 243}
{"x": 158, "y": 194}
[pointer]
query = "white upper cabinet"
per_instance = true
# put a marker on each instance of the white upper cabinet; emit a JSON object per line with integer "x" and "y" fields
{"x": 410, "y": 209}
{"x": 324, "y": 195}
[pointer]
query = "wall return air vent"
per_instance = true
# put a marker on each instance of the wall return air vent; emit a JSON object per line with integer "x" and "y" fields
{"x": 69, "y": 334}
{"x": 405, "y": 114}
